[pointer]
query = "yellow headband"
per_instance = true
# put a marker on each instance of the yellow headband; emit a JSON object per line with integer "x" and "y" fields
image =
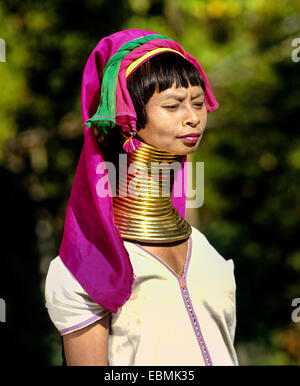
{"x": 136, "y": 62}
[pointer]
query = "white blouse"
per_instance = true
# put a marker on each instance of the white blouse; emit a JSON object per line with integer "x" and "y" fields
{"x": 168, "y": 320}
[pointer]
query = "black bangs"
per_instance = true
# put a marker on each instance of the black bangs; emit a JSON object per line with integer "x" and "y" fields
{"x": 168, "y": 69}
{"x": 158, "y": 74}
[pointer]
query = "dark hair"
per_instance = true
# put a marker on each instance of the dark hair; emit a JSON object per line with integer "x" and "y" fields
{"x": 158, "y": 74}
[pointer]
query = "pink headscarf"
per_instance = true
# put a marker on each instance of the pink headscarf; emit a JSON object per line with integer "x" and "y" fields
{"x": 92, "y": 247}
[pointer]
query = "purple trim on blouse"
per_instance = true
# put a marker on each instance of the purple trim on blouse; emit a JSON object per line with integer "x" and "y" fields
{"x": 83, "y": 324}
{"x": 194, "y": 321}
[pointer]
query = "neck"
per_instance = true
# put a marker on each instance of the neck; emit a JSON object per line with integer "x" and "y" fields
{"x": 143, "y": 208}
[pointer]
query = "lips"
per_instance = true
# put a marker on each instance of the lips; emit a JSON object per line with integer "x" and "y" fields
{"x": 191, "y": 135}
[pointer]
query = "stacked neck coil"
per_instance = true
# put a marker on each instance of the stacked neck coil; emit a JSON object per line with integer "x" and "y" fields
{"x": 143, "y": 208}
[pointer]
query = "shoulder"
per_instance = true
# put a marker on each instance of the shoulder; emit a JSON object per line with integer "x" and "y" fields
{"x": 69, "y": 306}
{"x": 209, "y": 258}
{"x": 60, "y": 279}
{"x": 59, "y": 274}
{"x": 201, "y": 243}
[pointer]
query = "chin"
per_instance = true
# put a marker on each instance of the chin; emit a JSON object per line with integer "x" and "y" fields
{"x": 186, "y": 150}
{"x": 178, "y": 150}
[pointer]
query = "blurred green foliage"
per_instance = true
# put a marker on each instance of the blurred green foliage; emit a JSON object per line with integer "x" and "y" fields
{"x": 251, "y": 152}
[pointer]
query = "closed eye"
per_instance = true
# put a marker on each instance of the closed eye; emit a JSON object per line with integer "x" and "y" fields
{"x": 201, "y": 104}
{"x": 171, "y": 107}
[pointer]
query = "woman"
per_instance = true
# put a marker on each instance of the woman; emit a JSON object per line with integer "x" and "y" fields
{"x": 134, "y": 283}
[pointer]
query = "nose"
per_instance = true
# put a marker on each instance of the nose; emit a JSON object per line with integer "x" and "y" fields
{"x": 192, "y": 118}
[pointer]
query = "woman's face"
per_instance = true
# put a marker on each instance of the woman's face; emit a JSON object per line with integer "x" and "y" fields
{"x": 176, "y": 120}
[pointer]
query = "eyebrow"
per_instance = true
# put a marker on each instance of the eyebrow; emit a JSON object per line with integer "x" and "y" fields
{"x": 179, "y": 98}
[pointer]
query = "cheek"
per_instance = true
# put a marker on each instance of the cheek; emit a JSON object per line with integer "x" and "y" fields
{"x": 159, "y": 124}
{"x": 204, "y": 117}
